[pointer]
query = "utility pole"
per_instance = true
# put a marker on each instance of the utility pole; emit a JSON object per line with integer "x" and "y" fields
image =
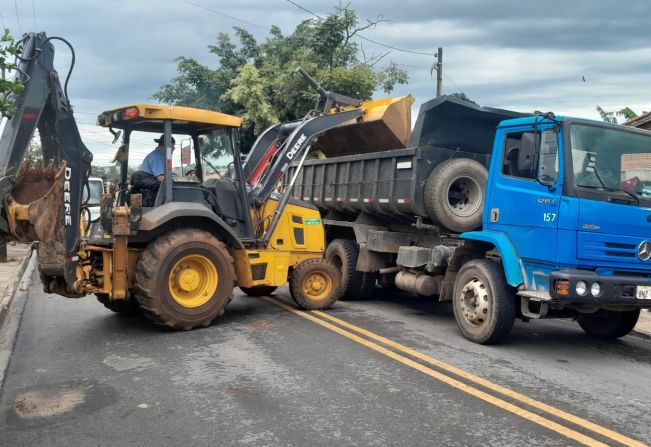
{"x": 439, "y": 72}
{"x": 438, "y": 67}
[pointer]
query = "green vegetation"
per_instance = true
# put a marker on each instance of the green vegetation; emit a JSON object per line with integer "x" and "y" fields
{"x": 257, "y": 80}
{"x": 611, "y": 117}
{"x": 8, "y": 88}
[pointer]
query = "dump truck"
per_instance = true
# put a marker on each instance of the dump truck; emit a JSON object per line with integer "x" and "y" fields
{"x": 507, "y": 215}
{"x": 172, "y": 248}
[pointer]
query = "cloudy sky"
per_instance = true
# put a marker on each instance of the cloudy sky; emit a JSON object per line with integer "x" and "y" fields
{"x": 564, "y": 56}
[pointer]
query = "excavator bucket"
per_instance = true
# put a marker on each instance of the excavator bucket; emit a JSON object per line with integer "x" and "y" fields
{"x": 385, "y": 124}
{"x": 35, "y": 204}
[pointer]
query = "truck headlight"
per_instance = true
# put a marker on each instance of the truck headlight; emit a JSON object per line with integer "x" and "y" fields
{"x": 595, "y": 289}
{"x": 581, "y": 288}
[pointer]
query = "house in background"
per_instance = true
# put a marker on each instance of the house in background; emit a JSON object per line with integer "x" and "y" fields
{"x": 643, "y": 121}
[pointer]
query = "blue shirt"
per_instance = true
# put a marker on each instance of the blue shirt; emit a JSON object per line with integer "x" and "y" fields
{"x": 154, "y": 163}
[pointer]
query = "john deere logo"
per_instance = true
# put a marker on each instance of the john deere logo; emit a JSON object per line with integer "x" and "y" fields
{"x": 644, "y": 251}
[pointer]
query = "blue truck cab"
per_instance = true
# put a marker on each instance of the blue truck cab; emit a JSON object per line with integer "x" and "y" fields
{"x": 568, "y": 210}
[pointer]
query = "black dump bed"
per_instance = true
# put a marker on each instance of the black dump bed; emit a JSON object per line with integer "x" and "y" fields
{"x": 391, "y": 182}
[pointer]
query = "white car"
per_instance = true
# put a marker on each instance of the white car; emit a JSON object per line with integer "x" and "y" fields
{"x": 96, "y": 187}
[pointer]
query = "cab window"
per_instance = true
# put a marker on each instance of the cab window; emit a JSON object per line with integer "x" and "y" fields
{"x": 216, "y": 152}
{"x": 520, "y": 155}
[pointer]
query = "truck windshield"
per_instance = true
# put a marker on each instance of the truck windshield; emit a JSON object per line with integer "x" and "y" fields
{"x": 615, "y": 161}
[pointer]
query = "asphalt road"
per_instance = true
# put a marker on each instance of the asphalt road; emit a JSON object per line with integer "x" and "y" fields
{"x": 264, "y": 375}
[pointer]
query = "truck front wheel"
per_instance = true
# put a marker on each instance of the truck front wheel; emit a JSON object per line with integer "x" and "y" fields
{"x": 609, "y": 324}
{"x": 484, "y": 304}
{"x": 184, "y": 279}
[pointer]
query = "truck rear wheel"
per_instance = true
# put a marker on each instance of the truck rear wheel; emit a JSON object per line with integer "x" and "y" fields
{"x": 184, "y": 279}
{"x": 609, "y": 324}
{"x": 454, "y": 194}
{"x": 258, "y": 290}
{"x": 343, "y": 254}
{"x": 484, "y": 304}
{"x": 314, "y": 284}
{"x": 124, "y": 307}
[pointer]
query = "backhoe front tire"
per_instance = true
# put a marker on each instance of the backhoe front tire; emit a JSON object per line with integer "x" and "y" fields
{"x": 184, "y": 279}
{"x": 314, "y": 284}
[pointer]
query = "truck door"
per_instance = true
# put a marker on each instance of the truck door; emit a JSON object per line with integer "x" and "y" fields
{"x": 519, "y": 205}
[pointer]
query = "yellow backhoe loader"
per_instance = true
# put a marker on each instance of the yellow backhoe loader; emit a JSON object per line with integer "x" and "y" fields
{"x": 172, "y": 249}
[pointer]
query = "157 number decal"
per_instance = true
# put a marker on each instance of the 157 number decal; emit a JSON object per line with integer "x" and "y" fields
{"x": 549, "y": 217}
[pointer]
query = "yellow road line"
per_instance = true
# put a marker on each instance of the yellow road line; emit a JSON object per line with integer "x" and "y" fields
{"x": 507, "y": 406}
{"x": 488, "y": 384}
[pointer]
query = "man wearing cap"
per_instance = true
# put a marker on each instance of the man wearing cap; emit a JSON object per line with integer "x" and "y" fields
{"x": 154, "y": 162}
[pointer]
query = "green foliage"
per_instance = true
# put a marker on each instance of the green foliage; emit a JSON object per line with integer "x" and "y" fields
{"x": 257, "y": 80}
{"x": 611, "y": 117}
{"x": 8, "y": 88}
{"x": 247, "y": 90}
{"x": 111, "y": 172}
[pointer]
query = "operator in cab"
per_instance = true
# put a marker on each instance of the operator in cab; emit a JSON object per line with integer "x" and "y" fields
{"x": 147, "y": 180}
{"x": 154, "y": 162}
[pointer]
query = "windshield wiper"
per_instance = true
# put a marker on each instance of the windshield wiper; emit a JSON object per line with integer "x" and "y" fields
{"x": 607, "y": 188}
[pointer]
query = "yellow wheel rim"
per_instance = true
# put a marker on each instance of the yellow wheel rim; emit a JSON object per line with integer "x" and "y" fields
{"x": 193, "y": 281}
{"x": 317, "y": 286}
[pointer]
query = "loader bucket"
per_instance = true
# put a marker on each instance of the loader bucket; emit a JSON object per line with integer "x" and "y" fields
{"x": 34, "y": 205}
{"x": 385, "y": 124}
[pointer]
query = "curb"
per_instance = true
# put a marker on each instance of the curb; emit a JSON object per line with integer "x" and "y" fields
{"x": 5, "y": 302}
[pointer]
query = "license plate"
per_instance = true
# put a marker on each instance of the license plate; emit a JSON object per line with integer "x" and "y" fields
{"x": 643, "y": 292}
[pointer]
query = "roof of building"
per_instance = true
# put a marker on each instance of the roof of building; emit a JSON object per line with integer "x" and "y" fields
{"x": 638, "y": 121}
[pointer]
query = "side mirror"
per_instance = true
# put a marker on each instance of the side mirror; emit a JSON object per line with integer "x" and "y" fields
{"x": 548, "y": 159}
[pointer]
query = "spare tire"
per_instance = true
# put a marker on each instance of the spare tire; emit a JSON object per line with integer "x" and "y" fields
{"x": 454, "y": 194}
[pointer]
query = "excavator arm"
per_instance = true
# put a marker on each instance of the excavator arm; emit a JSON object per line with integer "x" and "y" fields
{"x": 42, "y": 201}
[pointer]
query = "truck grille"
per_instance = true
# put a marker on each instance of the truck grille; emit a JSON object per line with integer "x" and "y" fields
{"x": 607, "y": 247}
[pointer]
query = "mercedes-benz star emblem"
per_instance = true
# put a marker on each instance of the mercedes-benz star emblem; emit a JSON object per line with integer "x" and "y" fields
{"x": 644, "y": 251}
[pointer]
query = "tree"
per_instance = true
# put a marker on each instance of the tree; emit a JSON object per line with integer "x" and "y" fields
{"x": 8, "y": 88}
{"x": 257, "y": 80}
{"x": 611, "y": 117}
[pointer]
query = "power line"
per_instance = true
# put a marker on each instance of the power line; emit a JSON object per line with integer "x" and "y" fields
{"x": 20, "y": 29}
{"x": 395, "y": 48}
{"x": 34, "y": 14}
{"x": 304, "y": 9}
{"x": 224, "y": 15}
{"x": 362, "y": 37}
{"x": 453, "y": 83}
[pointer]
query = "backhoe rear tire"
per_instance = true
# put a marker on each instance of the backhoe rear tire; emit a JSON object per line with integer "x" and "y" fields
{"x": 123, "y": 307}
{"x": 314, "y": 284}
{"x": 343, "y": 254}
{"x": 184, "y": 279}
{"x": 258, "y": 290}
